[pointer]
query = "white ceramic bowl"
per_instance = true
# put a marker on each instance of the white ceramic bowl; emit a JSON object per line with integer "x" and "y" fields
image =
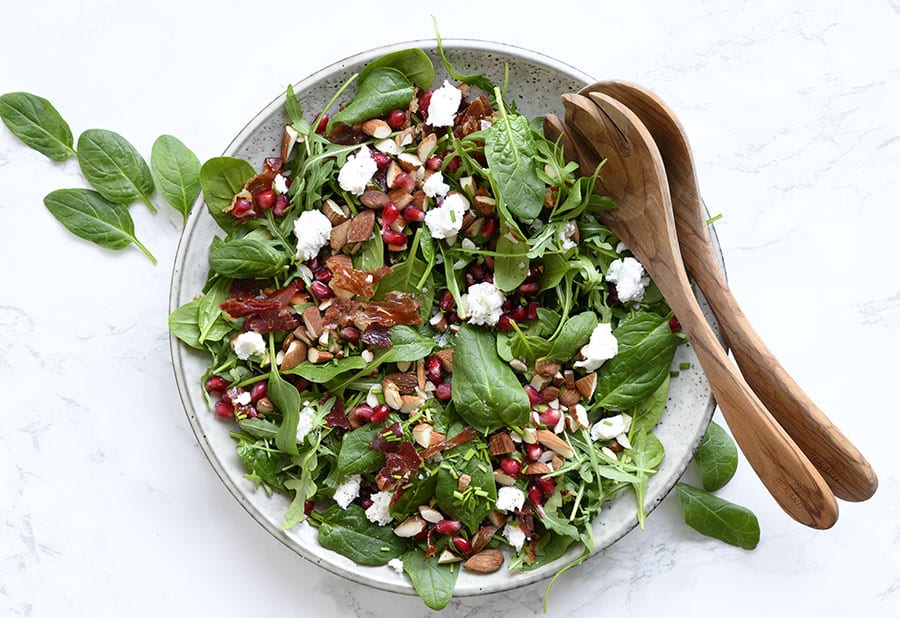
{"x": 535, "y": 83}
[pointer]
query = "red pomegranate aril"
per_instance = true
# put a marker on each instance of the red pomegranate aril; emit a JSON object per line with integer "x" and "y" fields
{"x": 444, "y": 391}
{"x": 536, "y": 497}
{"x": 551, "y": 417}
{"x": 405, "y": 181}
{"x": 613, "y": 293}
{"x": 224, "y": 409}
{"x": 362, "y": 414}
{"x": 251, "y": 412}
{"x": 433, "y": 370}
{"x": 546, "y": 485}
{"x": 389, "y": 213}
{"x": 518, "y": 314}
{"x": 531, "y": 310}
{"x": 265, "y": 199}
{"x": 674, "y": 325}
{"x": 448, "y": 527}
{"x": 259, "y": 390}
{"x": 533, "y": 451}
{"x": 242, "y": 207}
{"x": 396, "y": 119}
{"x": 322, "y": 124}
{"x": 477, "y": 271}
{"x": 533, "y": 395}
{"x": 216, "y": 384}
{"x": 489, "y": 227}
{"x": 462, "y": 545}
{"x": 395, "y": 239}
{"x": 380, "y": 414}
{"x": 530, "y": 288}
{"x": 433, "y": 163}
{"x": 308, "y": 506}
{"x": 413, "y": 214}
{"x": 447, "y": 301}
{"x": 281, "y": 204}
{"x": 314, "y": 264}
{"x": 453, "y": 165}
{"x": 382, "y": 161}
{"x": 505, "y": 323}
{"x": 469, "y": 279}
{"x": 321, "y": 291}
{"x": 511, "y": 466}
{"x": 324, "y": 275}
{"x": 425, "y": 101}
{"x": 350, "y": 334}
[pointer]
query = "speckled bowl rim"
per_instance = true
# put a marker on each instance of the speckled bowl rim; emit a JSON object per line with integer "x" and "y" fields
{"x": 238, "y": 486}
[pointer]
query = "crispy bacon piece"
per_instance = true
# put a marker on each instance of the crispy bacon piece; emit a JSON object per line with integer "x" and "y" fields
{"x": 399, "y": 467}
{"x": 470, "y": 120}
{"x": 348, "y": 282}
{"x": 445, "y": 445}
{"x": 396, "y": 308}
{"x": 337, "y": 416}
{"x": 265, "y": 313}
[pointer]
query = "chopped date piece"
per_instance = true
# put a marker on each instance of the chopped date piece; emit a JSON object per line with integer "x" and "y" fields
{"x": 470, "y": 119}
{"x": 337, "y": 416}
{"x": 346, "y": 135}
{"x": 399, "y": 467}
{"x": 377, "y": 336}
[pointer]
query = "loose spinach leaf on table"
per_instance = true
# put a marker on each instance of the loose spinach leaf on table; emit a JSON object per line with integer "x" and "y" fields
{"x": 716, "y": 458}
{"x": 486, "y": 392}
{"x": 433, "y": 582}
{"x": 221, "y": 178}
{"x": 115, "y": 168}
{"x": 88, "y": 215}
{"x": 348, "y": 532}
{"x": 414, "y": 63}
{"x": 183, "y": 324}
{"x": 246, "y": 258}
{"x": 384, "y": 89}
{"x": 36, "y": 122}
{"x": 712, "y": 516}
{"x": 287, "y": 401}
{"x": 177, "y": 173}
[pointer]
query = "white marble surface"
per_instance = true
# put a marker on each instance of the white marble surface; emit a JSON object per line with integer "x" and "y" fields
{"x": 108, "y": 507}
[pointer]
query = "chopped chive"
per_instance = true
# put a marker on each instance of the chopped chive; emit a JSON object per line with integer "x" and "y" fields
{"x": 712, "y": 220}
{"x": 684, "y": 366}
{"x": 673, "y": 374}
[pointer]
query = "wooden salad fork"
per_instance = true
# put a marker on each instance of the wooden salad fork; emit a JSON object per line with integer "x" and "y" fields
{"x": 844, "y": 468}
{"x": 600, "y": 128}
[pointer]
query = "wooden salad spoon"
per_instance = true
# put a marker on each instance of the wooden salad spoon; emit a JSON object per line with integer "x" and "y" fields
{"x": 634, "y": 177}
{"x": 844, "y": 468}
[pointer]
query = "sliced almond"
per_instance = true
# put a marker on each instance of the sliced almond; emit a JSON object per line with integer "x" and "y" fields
{"x": 550, "y": 393}
{"x": 448, "y": 557}
{"x": 374, "y": 199}
{"x": 302, "y": 334}
{"x": 485, "y": 561}
{"x": 334, "y": 212}
{"x": 445, "y": 357}
{"x": 315, "y": 324}
{"x": 338, "y": 261}
{"x": 405, "y": 137}
{"x": 392, "y": 396}
{"x": 502, "y": 478}
{"x": 294, "y": 355}
{"x": 569, "y": 377}
{"x": 555, "y": 443}
{"x": 536, "y": 468}
{"x": 338, "y": 239}
{"x": 483, "y": 537}
{"x": 518, "y": 365}
{"x": 501, "y": 444}
{"x": 376, "y": 128}
{"x": 439, "y": 321}
{"x": 429, "y": 514}
{"x": 408, "y": 161}
{"x": 411, "y": 403}
{"x": 467, "y": 184}
{"x": 390, "y": 176}
{"x": 401, "y": 197}
{"x": 540, "y": 382}
{"x": 569, "y": 396}
{"x": 463, "y": 481}
{"x": 409, "y": 527}
{"x": 497, "y": 519}
{"x": 484, "y": 204}
{"x": 405, "y": 382}
{"x": 426, "y": 146}
{"x": 587, "y": 385}
{"x": 529, "y": 435}
{"x": 317, "y": 356}
{"x": 422, "y": 434}
{"x": 420, "y": 373}
{"x": 361, "y": 227}
{"x": 288, "y": 139}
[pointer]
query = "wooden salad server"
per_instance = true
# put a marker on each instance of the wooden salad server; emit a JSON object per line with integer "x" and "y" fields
{"x": 844, "y": 468}
{"x": 634, "y": 177}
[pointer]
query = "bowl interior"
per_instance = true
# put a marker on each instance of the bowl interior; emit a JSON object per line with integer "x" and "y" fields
{"x": 535, "y": 83}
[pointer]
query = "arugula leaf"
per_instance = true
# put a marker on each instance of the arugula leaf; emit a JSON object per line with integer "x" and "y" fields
{"x": 349, "y": 533}
{"x": 304, "y": 489}
{"x": 221, "y": 178}
{"x": 320, "y": 374}
{"x": 177, "y": 173}
{"x": 246, "y": 258}
{"x": 287, "y": 400}
{"x": 716, "y": 458}
{"x": 413, "y": 62}
{"x": 292, "y": 108}
{"x": 115, "y": 168}
{"x": 36, "y": 122}
{"x": 383, "y": 90}
{"x": 433, "y": 582}
{"x": 476, "y": 79}
{"x": 88, "y": 215}
{"x": 712, "y": 516}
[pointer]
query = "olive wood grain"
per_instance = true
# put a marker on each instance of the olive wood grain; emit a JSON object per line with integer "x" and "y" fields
{"x": 634, "y": 176}
{"x": 844, "y": 468}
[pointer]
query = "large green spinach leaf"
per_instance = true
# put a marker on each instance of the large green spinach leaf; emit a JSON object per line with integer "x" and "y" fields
{"x": 221, "y": 178}
{"x": 413, "y": 62}
{"x": 246, "y": 258}
{"x": 382, "y": 90}
{"x": 510, "y": 264}
{"x": 115, "y": 168}
{"x": 472, "y": 505}
{"x": 355, "y": 455}
{"x": 36, "y": 122}
{"x": 349, "y": 533}
{"x": 433, "y": 582}
{"x": 716, "y": 458}
{"x": 712, "y": 516}
{"x": 573, "y": 335}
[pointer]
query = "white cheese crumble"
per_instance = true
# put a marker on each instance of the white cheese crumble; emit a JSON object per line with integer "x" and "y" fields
{"x": 305, "y": 423}
{"x": 434, "y": 185}
{"x": 243, "y": 399}
{"x": 510, "y": 499}
{"x": 380, "y": 511}
{"x": 445, "y": 220}
{"x": 566, "y": 234}
{"x": 609, "y": 428}
{"x": 444, "y": 105}
{"x": 356, "y": 173}
{"x": 280, "y": 184}
{"x": 628, "y": 275}
{"x": 313, "y": 231}
{"x": 601, "y": 347}
{"x": 396, "y": 564}
{"x": 248, "y": 344}
{"x": 515, "y": 536}
{"x": 483, "y": 304}
{"x": 347, "y": 491}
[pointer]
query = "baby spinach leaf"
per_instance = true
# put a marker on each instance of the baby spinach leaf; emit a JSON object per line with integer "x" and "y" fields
{"x": 221, "y": 178}
{"x": 183, "y": 324}
{"x": 371, "y": 256}
{"x": 647, "y": 453}
{"x": 349, "y": 533}
{"x": 420, "y": 492}
{"x": 209, "y": 313}
{"x": 433, "y": 582}
{"x": 555, "y": 268}
{"x": 647, "y": 413}
{"x": 646, "y": 349}
{"x": 88, "y": 215}
{"x": 246, "y": 258}
{"x": 574, "y": 334}
{"x": 473, "y": 505}
{"x": 712, "y": 516}
{"x": 115, "y": 168}
{"x": 408, "y": 345}
{"x": 177, "y": 173}
{"x": 510, "y": 264}
{"x": 355, "y": 455}
{"x": 486, "y": 392}
{"x": 716, "y": 458}
{"x": 549, "y": 547}
{"x": 510, "y": 151}
{"x": 383, "y": 90}
{"x": 36, "y": 122}
{"x": 414, "y": 63}
{"x": 405, "y": 277}
{"x": 287, "y": 400}
{"x": 261, "y": 461}
{"x": 320, "y": 374}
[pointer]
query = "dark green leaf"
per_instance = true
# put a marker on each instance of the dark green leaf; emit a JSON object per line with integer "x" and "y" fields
{"x": 177, "y": 172}
{"x": 355, "y": 455}
{"x": 414, "y": 63}
{"x": 209, "y": 313}
{"x": 36, "y": 122}
{"x": 259, "y": 428}
{"x": 510, "y": 151}
{"x": 384, "y": 89}
{"x": 221, "y": 178}
{"x": 574, "y": 334}
{"x": 718, "y": 518}
{"x": 421, "y": 492}
{"x": 371, "y": 256}
{"x": 304, "y": 489}
{"x": 433, "y": 582}
{"x": 262, "y": 463}
{"x": 555, "y": 268}
{"x": 88, "y": 215}
{"x": 486, "y": 392}
{"x": 716, "y": 458}
{"x": 511, "y": 263}
{"x": 409, "y": 345}
{"x": 183, "y": 324}
{"x": 350, "y": 534}
{"x": 292, "y": 108}
{"x": 549, "y": 547}
{"x": 246, "y": 258}
{"x": 473, "y": 507}
{"x": 287, "y": 401}
{"x": 114, "y": 167}
{"x": 321, "y": 374}
{"x": 647, "y": 453}
{"x": 647, "y": 413}
{"x": 405, "y": 277}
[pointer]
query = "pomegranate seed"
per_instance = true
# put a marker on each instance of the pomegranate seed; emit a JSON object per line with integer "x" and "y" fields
{"x": 518, "y": 314}
{"x": 425, "y": 101}
{"x": 453, "y": 164}
{"x": 397, "y": 118}
{"x": 315, "y": 264}
{"x": 216, "y": 384}
{"x": 308, "y": 506}
{"x": 421, "y": 536}
{"x": 462, "y": 545}
{"x": 299, "y": 382}
{"x": 433, "y": 370}
{"x": 411, "y": 213}
{"x": 477, "y": 271}
{"x": 504, "y": 324}
{"x": 453, "y": 318}
{"x": 349, "y": 334}
{"x": 545, "y": 485}
{"x": 251, "y": 412}
{"x": 362, "y": 414}
{"x": 530, "y": 288}
{"x": 535, "y": 496}
{"x": 489, "y": 227}
{"x": 444, "y": 391}
{"x": 448, "y": 526}
{"x": 551, "y": 417}
{"x": 674, "y": 325}
{"x": 533, "y": 451}
{"x": 365, "y": 503}
{"x": 395, "y": 239}
{"x": 533, "y": 395}
{"x": 242, "y": 208}
{"x": 470, "y": 279}
{"x": 511, "y": 466}
{"x": 322, "y": 124}
{"x": 324, "y": 275}
{"x": 447, "y": 301}
{"x": 390, "y": 213}
{"x": 224, "y": 409}
{"x": 531, "y": 310}
{"x": 382, "y": 161}
{"x": 321, "y": 291}
{"x": 265, "y": 199}
{"x": 433, "y": 163}
{"x": 281, "y": 204}
{"x": 259, "y": 390}
{"x": 489, "y": 262}
{"x": 380, "y": 414}
{"x": 405, "y": 181}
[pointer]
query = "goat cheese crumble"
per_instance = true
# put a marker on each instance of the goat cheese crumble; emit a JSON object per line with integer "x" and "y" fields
{"x": 347, "y": 491}
{"x": 445, "y": 220}
{"x": 396, "y": 564}
{"x": 434, "y": 185}
{"x": 305, "y": 423}
{"x": 313, "y": 231}
{"x": 444, "y": 105}
{"x": 483, "y": 304}
{"x": 510, "y": 499}
{"x": 609, "y": 428}
{"x": 280, "y": 184}
{"x": 380, "y": 511}
{"x": 515, "y": 536}
{"x": 628, "y": 275}
{"x": 248, "y": 344}
{"x": 601, "y": 347}
{"x": 356, "y": 173}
